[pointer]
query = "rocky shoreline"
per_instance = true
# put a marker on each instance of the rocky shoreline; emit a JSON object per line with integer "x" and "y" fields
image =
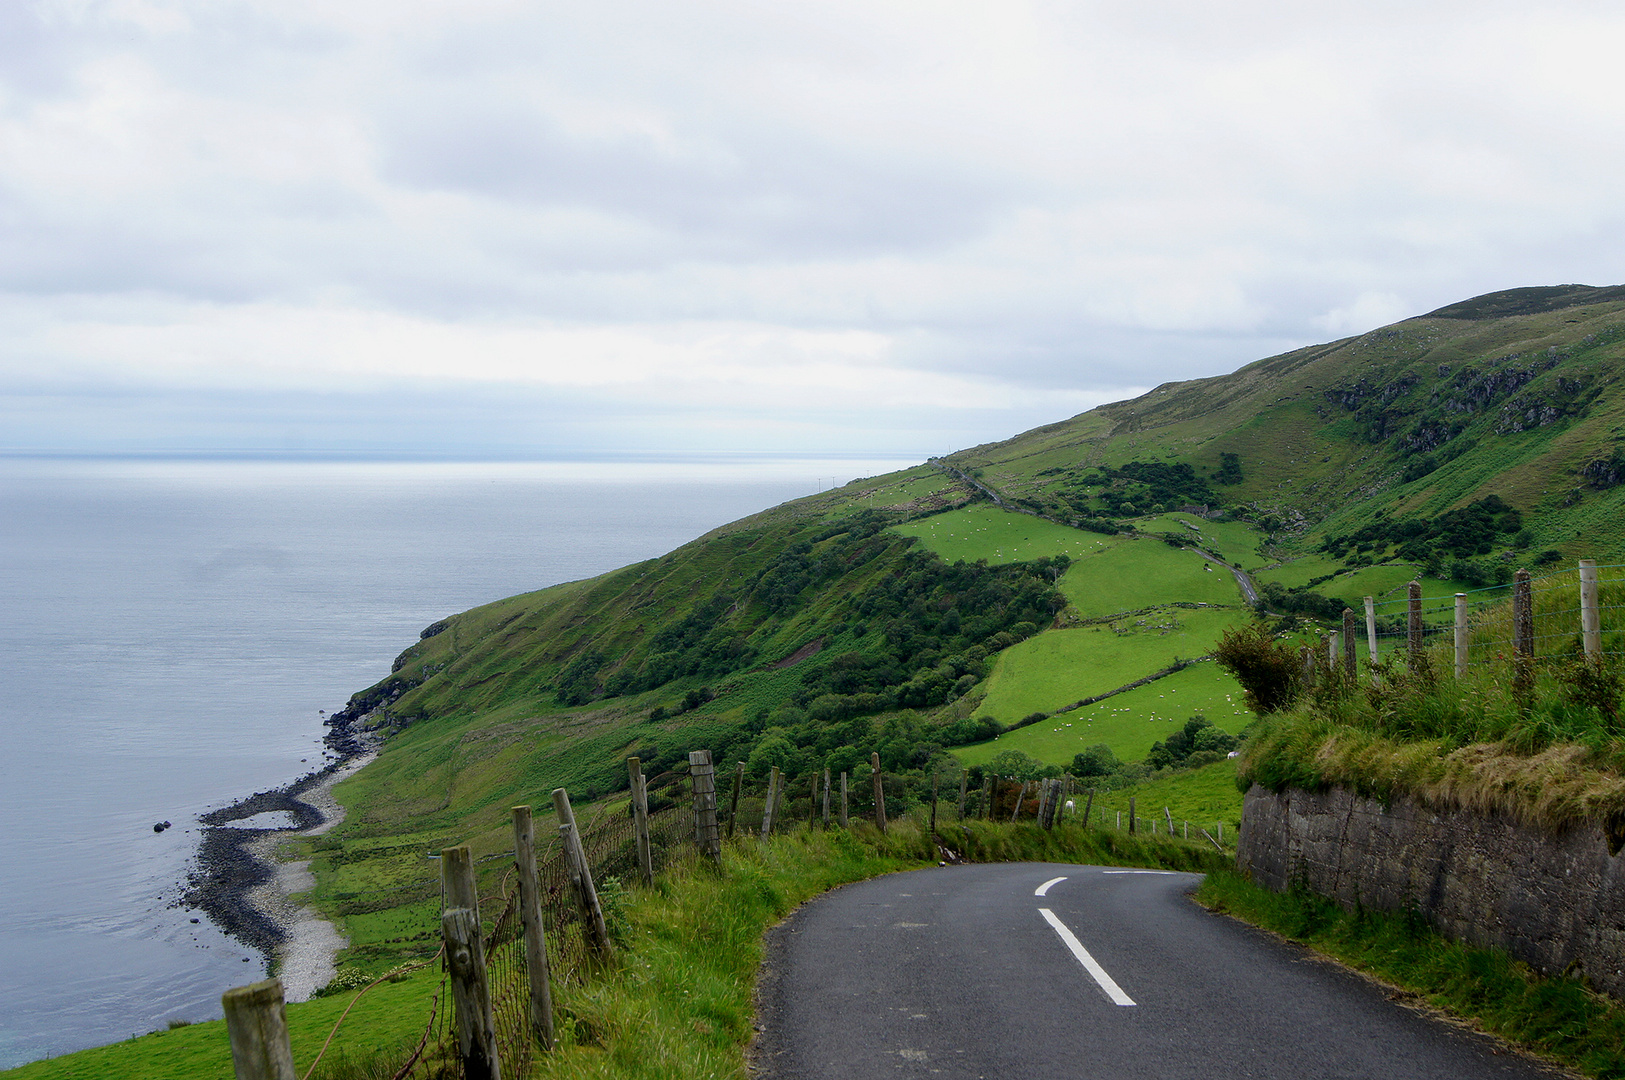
{"x": 239, "y": 884}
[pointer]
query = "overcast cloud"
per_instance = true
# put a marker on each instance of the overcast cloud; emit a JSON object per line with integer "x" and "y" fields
{"x": 495, "y": 228}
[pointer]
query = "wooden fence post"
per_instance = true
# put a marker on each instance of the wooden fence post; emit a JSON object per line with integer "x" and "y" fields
{"x": 767, "y": 807}
{"x": 846, "y": 822}
{"x": 964, "y": 786}
{"x": 257, "y": 1023}
{"x": 575, "y": 858}
{"x": 1590, "y": 610}
{"x": 1087, "y": 807}
{"x": 1413, "y": 625}
{"x": 1348, "y": 645}
{"x": 1462, "y": 635}
{"x": 990, "y": 788}
{"x": 1331, "y": 652}
{"x": 465, "y": 957}
{"x": 1523, "y": 635}
{"x": 880, "y": 791}
{"x": 812, "y": 800}
{"x": 1132, "y": 821}
{"x": 826, "y": 798}
{"x": 530, "y": 916}
{"x": 704, "y": 775}
{"x": 640, "y": 818}
{"x": 733, "y": 803}
{"x": 1371, "y": 633}
{"x": 1169, "y": 814}
{"x": 1307, "y": 655}
{"x": 933, "y": 802}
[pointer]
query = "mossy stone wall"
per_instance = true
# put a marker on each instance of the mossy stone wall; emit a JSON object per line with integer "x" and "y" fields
{"x": 1555, "y": 901}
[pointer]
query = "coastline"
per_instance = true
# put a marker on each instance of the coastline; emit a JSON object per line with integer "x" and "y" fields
{"x": 245, "y": 889}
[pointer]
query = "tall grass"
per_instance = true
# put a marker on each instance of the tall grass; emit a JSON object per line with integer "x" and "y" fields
{"x": 1541, "y": 740}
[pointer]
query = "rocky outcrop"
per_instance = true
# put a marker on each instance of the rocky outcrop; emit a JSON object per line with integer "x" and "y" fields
{"x": 1555, "y": 901}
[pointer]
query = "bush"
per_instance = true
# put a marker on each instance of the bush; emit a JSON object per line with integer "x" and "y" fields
{"x": 1267, "y": 670}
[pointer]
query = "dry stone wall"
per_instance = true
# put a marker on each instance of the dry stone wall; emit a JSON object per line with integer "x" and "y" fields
{"x": 1555, "y": 901}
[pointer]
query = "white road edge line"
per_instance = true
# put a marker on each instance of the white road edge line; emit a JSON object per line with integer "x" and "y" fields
{"x": 1113, "y": 991}
{"x": 1043, "y": 890}
{"x": 1140, "y": 871}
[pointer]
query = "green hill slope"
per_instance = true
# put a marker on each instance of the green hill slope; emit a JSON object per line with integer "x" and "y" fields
{"x": 916, "y": 614}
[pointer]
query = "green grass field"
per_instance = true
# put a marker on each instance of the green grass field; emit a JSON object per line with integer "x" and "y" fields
{"x": 1128, "y": 723}
{"x": 1234, "y": 541}
{"x": 1136, "y": 574}
{"x": 999, "y": 536}
{"x": 1204, "y": 797}
{"x": 1062, "y": 666}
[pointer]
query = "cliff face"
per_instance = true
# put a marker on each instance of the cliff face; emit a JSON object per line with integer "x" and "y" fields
{"x": 1557, "y": 902}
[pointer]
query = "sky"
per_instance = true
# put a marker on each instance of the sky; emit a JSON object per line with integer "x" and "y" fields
{"x": 494, "y": 229}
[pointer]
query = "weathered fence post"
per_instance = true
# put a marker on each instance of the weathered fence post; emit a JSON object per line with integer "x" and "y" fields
{"x": 1523, "y": 636}
{"x": 257, "y": 1023}
{"x": 465, "y": 957}
{"x": 1462, "y": 635}
{"x": 1021, "y": 797}
{"x": 990, "y": 787}
{"x": 880, "y": 791}
{"x": 640, "y": 818}
{"x": 1331, "y": 653}
{"x": 964, "y": 786}
{"x": 1413, "y": 625}
{"x": 1590, "y": 610}
{"x": 1307, "y": 655}
{"x": 933, "y": 802}
{"x": 1371, "y": 634}
{"x": 530, "y": 913}
{"x": 812, "y": 801}
{"x": 704, "y": 775}
{"x": 1087, "y": 807}
{"x": 846, "y": 822}
{"x": 1043, "y": 803}
{"x": 733, "y": 803}
{"x": 826, "y": 798}
{"x": 575, "y": 859}
{"x": 1348, "y": 644}
{"x": 1131, "y": 817}
{"x": 772, "y": 797}
{"x": 1169, "y": 814}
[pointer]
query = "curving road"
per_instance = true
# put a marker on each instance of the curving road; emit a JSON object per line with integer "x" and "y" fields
{"x": 965, "y": 972}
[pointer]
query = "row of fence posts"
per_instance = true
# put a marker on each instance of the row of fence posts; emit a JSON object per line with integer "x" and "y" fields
{"x": 1523, "y": 629}
{"x": 256, "y": 1017}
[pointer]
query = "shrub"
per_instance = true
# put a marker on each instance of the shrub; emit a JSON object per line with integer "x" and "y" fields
{"x": 1267, "y": 670}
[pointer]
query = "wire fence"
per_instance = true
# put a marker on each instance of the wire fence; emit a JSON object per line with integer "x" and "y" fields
{"x": 1476, "y": 627}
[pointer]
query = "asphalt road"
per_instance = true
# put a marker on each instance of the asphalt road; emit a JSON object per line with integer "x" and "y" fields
{"x": 957, "y": 972}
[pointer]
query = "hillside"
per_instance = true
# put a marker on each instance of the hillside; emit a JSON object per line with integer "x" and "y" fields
{"x": 1011, "y": 590}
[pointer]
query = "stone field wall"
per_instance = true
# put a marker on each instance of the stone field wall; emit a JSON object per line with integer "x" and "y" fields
{"x": 1555, "y": 901}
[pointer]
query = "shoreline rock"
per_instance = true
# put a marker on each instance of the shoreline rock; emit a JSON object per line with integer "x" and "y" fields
{"x": 238, "y": 882}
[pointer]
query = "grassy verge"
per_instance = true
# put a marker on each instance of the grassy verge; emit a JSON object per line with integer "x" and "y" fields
{"x": 1557, "y": 1018}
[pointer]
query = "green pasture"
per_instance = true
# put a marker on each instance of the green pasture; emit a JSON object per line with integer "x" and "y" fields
{"x": 1234, "y": 541}
{"x": 1204, "y": 797}
{"x": 1129, "y": 722}
{"x": 1052, "y": 670}
{"x": 1000, "y": 536}
{"x": 1125, "y": 576}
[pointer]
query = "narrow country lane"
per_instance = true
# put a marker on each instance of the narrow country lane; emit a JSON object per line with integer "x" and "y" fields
{"x": 965, "y": 972}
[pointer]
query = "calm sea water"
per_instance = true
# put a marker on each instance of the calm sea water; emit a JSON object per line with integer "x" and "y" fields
{"x": 170, "y": 633}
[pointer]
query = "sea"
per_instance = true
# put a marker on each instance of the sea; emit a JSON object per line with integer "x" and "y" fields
{"x": 172, "y": 632}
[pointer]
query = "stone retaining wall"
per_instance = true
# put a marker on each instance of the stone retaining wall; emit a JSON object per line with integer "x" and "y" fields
{"x": 1556, "y": 902}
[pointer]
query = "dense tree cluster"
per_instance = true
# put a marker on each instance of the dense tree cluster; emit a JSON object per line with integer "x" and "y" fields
{"x": 1471, "y": 530}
